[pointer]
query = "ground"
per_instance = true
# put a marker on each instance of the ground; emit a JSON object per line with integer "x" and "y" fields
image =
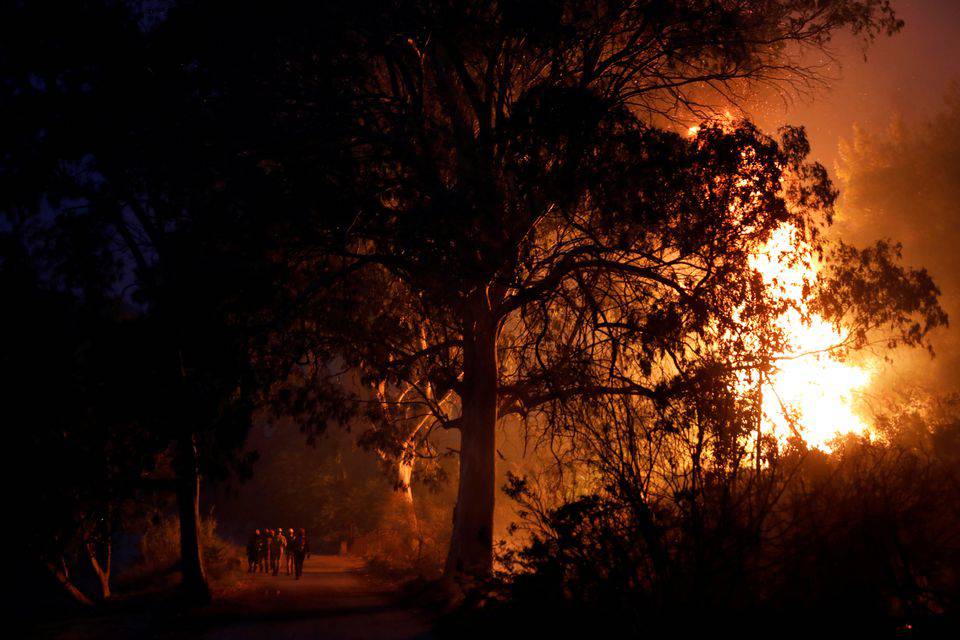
{"x": 334, "y": 600}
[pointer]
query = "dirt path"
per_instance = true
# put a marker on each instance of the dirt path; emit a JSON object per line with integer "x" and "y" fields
{"x": 334, "y": 600}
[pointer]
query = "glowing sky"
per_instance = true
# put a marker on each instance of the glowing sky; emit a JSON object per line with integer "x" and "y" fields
{"x": 907, "y": 73}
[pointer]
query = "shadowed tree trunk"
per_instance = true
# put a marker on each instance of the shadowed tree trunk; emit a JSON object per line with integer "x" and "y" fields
{"x": 471, "y": 544}
{"x": 63, "y": 577}
{"x": 194, "y": 577}
{"x": 102, "y": 570}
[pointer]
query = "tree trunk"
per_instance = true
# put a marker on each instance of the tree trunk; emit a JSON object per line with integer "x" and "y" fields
{"x": 471, "y": 546}
{"x": 405, "y": 490}
{"x": 63, "y": 577}
{"x": 102, "y": 570}
{"x": 401, "y": 516}
{"x": 194, "y": 577}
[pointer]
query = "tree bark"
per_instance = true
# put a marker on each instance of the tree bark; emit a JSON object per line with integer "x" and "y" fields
{"x": 405, "y": 490}
{"x": 194, "y": 578}
{"x": 471, "y": 546}
{"x": 102, "y": 570}
{"x": 60, "y": 573}
{"x": 402, "y": 515}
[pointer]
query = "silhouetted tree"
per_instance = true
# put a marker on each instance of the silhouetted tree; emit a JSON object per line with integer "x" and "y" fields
{"x": 74, "y": 387}
{"x": 494, "y": 216}
{"x": 470, "y": 202}
{"x": 118, "y": 170}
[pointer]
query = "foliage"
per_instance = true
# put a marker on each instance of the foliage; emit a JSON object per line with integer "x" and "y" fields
{"x": 487, "y": 213}
{"x": 113, "y": 183}
{"x": 865, "y": 538}
{"x": 892, "y": 178}
{"x": 159, "y": 554}
{"x": 476, "y": 207}
{"x": 74, "y": 392}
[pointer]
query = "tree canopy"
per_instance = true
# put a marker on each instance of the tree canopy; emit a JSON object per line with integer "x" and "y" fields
{"x": 481, "y": 208}
{"x": 493, "y": 212}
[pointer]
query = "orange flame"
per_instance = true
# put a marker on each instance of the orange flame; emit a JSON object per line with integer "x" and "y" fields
{"x": 811, "y": 390}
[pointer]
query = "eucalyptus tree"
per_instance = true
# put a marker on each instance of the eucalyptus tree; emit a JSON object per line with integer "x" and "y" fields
{"x": 471, "y": 202}
{"x": 492, "y": 213}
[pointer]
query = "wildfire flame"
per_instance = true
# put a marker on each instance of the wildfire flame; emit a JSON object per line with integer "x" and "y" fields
{"x": 811, "y": 393}
{"x": 811, "y": 390}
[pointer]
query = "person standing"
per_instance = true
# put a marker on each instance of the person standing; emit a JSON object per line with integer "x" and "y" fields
{"x": 289, "y": 555}
{"x": 301, "y": 549}
{"x": 263, "y": 565}
{"x": 277, "y": 547}
{"x": 253, "y": 551}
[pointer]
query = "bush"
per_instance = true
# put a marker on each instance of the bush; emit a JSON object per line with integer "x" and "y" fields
{"x": 159, "y": 563}
{"x": 867, "y": 538}
{"x": 405, "y": 547}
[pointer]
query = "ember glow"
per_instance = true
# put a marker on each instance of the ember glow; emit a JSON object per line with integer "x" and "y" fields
{"x": 811, "y": 393}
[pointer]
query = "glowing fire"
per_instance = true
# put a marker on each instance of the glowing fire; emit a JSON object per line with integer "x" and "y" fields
{"x": 811, "y": 393}
{"x": 810, "y": 387}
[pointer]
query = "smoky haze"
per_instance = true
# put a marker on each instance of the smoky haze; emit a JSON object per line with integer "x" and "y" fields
{"x": 907, "y": 74}
{"x": 887, "y": 130}
{"x": 522, "y": 306}
{"x": 902, "y": 181}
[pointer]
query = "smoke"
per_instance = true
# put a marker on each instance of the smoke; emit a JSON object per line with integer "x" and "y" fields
{"x": 903, "y": 182}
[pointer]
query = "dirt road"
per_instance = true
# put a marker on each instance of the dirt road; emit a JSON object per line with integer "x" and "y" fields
{"x": 334, "y": 600}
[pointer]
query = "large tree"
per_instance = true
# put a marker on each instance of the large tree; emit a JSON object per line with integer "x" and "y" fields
{"x": 116, "y": 174}
{"x": 492, "y": 215}
{"x": 473, "y": 205}
{"x": 83, "y": 454}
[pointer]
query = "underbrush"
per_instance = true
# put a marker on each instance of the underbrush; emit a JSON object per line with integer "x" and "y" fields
{"x": 406, "y": 548}
{"x": 158, "y": 565}
{"x": 866, "y": 539}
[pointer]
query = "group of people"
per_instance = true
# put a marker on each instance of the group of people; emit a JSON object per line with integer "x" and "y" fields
{"x": 270, "y": 549}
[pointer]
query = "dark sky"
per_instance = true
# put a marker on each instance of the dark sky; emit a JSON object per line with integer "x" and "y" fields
{"x": 908, "y": 73}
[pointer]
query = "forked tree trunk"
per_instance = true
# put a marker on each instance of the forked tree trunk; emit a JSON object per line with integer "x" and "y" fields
{"x": 471, "y": 545}
{"x": 63, "y": 577}
{"x": 194, "y": 577}
{"x": 102, "y": 570}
